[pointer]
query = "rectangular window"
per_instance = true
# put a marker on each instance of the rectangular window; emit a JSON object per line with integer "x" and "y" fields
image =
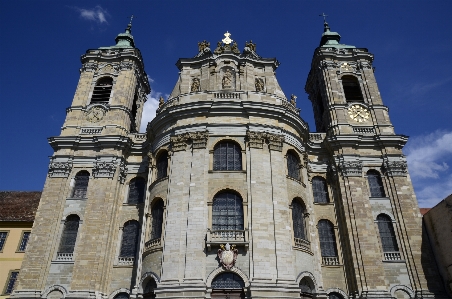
{"x": 3, "y": 236}
{"x": 11, "y": 282}
{"x": 24, "y": 241}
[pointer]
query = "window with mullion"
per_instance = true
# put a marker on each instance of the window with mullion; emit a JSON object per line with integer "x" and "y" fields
{"x": 157, "y": 220}
{"x": 327, "y": 239}
{"x": 81, "y": 184}
{"x": 293, "y": 166}
{"x": 387, "y": 234}
{"x": 3, "y": 236}
{"x": 24, "y": 241}
{"x": 228, "y": 280}
{"x": 11, "y": 282}
{"x": 129, "y": 242}
{"x": 69, "y": 236}
{"x": 227, "y": 156}
{"x": 375, "y": 184}
{"x": 319, "y": 189}
{"x": 227, "y": 212}
{"x": 298, "y": 219}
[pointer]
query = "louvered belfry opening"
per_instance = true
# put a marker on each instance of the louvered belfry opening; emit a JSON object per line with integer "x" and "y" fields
{"x": 352, "y": 89}
{"x": 69, "y": 236}
{"x": 157, "y": 219}
{"x": 298, "y": 211}
{"x": 227, "y": 156}
{"x": 227, "y": 212}
{"x": 137, "y": 190}
{"x": 129, "y": 242}
{"x": 387, "y": 233}
{"x": 375, "y": 184}
{"x": 319, "y": 188}
{"x": 327, "y": 239}
{"x": 102, "y": 91}
{"x": 81, "y": 184}
{"x": 293, "y": 166}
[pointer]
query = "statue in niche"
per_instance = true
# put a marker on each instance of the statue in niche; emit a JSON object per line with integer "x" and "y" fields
{"x": 259, "y": 83}
{"x": 195, "y": 85}
{"x": 227, "y": 79}
{"x": 250, "y": 45}
{"x": 161, "y": 102}
{"x": 293, "y": 100}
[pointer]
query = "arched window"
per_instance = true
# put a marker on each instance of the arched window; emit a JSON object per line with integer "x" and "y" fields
{"x": 387, "y": 234}
{"x": 162, "y": 165}
{"x": 157, "y": 219}
{"x": 293, "y": 166}
{"x": 227, "y": 212}
{"x": 327, "y": 239}
{"x": 69, "y": 236}
{"x": 352, "y": 90}
{"x": 228, "y": 280}
{"x": 320, "y": 190}
{"x": 375, "y": 184}
{"x": 137, "y": 188}
{"x": 227, "y": 156}
{"x": 335, "y": 295}
{"x": 122, "y": 296}
{"x": 306, "y": 288}
{"x": 102, "y": 90}
{"x": 81, "y": 184}
{"x": 148, "y": 289}
{"x": 129, "y": 242}
{"x": 298, "y": 211}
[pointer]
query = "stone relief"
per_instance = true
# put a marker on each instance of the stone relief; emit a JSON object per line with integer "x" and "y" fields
{"x": 259, "y": 84}
{"x": 122, "y": 171}
{"x": 235, "y": 48}
{"x": 256, "y": 140}
{"x": 351, "y": 168}
{"x": 203, "y": 46}
{"x": 199, "y": 140}
{"x": 219, "y": 49}
{"x": 195, "y": 85}
{"x": 226, "y": 82}
{"x": 395, "y": 168}
{"x": 59, "y": 169}
{"x": 250, "y": 45}
{"x": 227, "y": 255}
{"x": 104, "y": 169}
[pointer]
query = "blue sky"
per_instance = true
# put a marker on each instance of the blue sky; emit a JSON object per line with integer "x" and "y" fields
{"x": 42, "y": 42}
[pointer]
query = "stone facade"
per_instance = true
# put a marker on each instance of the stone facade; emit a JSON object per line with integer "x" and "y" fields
{"x": 228, "y": 96}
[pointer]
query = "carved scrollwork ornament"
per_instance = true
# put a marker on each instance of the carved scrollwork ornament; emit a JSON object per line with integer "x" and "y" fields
{"x": 199, "y": 139}
{"x": 122, "y": 171}
{"x": 275, "y": 141}
{"x": 59, "y": 169}
{"x": 104, "y": 169}
{"x": 255, "y": 139}
{"x": 351, "y": 168}
{"x": 89, "y": 67}
{"x": 395, "y": 168}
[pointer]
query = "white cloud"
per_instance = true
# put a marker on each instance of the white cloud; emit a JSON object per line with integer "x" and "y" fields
{"x": 149, "y": 108}
{"x": 428, "y": 157}
{"x": 150, "y": 80}
{"x": 96, "y": 14}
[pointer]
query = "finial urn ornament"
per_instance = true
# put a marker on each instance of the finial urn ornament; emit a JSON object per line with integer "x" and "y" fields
{"x": 227, "y": 40}
{"x": 227, "y": 255}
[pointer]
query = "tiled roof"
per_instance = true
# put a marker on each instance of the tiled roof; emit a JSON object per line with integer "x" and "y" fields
{"x": 19, "y": 205}
{"x": 424, "y": 210}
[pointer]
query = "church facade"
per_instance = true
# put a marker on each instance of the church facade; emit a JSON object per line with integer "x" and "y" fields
{"x": 228, "y": 194}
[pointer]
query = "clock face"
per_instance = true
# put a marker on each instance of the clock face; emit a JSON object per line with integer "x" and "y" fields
{"x": 358, "y": 113}
{"x": 95, "y": 114}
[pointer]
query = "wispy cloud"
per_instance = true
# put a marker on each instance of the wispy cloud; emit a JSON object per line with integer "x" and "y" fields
{"x": 428, "y": 159}
{"x": 150, "y": 107}
{"x": 420, "y": 89}
{"x": 96, "y": 14}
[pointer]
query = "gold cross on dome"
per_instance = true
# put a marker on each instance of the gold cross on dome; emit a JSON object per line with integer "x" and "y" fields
{"x": 227, "y": 40}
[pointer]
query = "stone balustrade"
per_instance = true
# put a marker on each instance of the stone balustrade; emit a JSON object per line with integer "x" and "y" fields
{"x": 302, "y": 243}
{"x": 153, "y": 243}
{"x": 330, "y": 260}
{"x": 67, "y": 257}
{"x": 125, "y": 261}
{"x": 392, "y": 256}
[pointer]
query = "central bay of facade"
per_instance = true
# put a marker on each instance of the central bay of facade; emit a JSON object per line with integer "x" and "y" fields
{"x": 227, "y": 193}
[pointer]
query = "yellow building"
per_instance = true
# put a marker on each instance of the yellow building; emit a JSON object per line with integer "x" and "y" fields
{"x": 17, "y": 213}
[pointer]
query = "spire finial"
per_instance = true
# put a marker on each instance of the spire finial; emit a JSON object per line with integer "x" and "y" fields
{"x": 129, "y": 26}
{"x": 324, "y": 17}
{"x": 325, "y": 24}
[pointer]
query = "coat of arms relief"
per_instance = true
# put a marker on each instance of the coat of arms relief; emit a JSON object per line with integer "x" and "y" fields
{"x": 227, "y": 255}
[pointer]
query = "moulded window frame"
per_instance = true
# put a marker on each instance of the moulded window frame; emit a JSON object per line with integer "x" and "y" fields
{"x": 209, "y": 204}
{"x": 94, "y": 84}
{"x": 361, "y": 87}
{"x": 227, "y": 139}
{"x": 328, "y": 190}
{"x": 300, "y": 173}
{"x": 383, "y": 183}
{"x": 21, "y": 239}
{"x": 7, "y": 281}
{"x": 396, "y": 235}
{"x": 306, "y": 216}
{"x": 7, "y": 231}
{"x": 149, "y": 226}
{"x": 338, "y": 243}
{"x": 72, "y": 185}
{"x": 60, "y": 235}
{"x": 127, "y": 190}
{"x": 119, "y": 245}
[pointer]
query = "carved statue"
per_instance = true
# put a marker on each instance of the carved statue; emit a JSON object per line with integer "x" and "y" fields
{"x": 219, "y": 49}
{"x": 203, "y": 45}
{"x": 227, "y": 79}
{"x": 235, "y": 48}
{"x": 293, "y": 99}
{"x": 161, "y": 102}
{"x": 251, "y": 45}
{"x": 259, "y": 83}
{"x": 195, "y": 85}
